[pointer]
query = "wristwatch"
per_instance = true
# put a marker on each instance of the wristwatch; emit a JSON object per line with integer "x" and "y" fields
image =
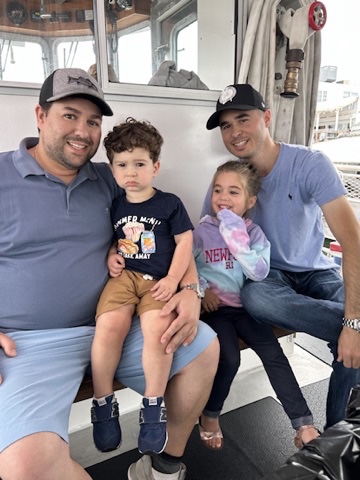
{"x": 198, "y": 289}
{"x": 353, "y": 323}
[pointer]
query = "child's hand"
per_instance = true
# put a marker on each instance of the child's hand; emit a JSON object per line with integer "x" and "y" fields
{"x": 210, "y": 303}
{"x": 116, "y": 264}
{"x": 165, "y": 288}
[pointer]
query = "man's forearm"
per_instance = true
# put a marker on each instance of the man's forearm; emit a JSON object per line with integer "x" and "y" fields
{"x": 191, "y": 274}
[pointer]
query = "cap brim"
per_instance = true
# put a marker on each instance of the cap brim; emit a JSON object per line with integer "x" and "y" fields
{"x": 104, "y": 107}
{"x": 214, "y": 120}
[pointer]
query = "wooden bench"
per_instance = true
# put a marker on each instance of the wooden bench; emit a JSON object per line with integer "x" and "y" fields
{"x": 86, "y": 388}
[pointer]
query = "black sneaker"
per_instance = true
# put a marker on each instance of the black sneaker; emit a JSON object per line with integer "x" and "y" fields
{"x": 153, "y": 435}
{"x": 106, "y": 426}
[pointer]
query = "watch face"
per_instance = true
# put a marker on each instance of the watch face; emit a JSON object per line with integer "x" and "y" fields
{"x": 197, "y": 288}
{"x": 200, "y": 291}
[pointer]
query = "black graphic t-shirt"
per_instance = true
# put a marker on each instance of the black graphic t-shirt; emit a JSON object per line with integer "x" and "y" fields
{"x": 145, "y": 231}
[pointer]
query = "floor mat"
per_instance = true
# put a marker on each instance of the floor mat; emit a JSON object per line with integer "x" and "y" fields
{"x": 315, "y": 395}
{"x": 258, "y": 440}
{"x": 315, "y": 346}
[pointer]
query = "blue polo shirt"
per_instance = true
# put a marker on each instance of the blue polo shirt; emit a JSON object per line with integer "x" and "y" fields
{"x": 53, "y": 244}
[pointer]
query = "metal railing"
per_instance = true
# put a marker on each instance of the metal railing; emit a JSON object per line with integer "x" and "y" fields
{"x": 352, "y": 184}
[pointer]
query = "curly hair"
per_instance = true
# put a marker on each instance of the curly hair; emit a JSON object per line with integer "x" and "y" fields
{"x": 133, "y": 134}
{"x": 246, "y": 170}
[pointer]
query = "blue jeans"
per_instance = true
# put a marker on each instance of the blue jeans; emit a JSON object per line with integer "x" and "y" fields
{"x": 310, "y": 302}
{"x": 230, "y": 324}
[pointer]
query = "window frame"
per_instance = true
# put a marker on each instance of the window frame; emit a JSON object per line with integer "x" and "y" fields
{"x": 137, "y": 90}
{"x": 45, "y": 48}
{"x": 126, "y": 91}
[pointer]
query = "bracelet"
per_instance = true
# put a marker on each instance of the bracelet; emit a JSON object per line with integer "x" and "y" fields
{"x": 353, "y": 323}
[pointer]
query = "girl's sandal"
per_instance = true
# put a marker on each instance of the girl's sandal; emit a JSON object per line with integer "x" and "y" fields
{"x": 208, "y": 437}
{"x": 298, "y": 440}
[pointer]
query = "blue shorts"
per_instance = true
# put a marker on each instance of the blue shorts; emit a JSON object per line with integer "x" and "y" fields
{"x": 41, "y": 382}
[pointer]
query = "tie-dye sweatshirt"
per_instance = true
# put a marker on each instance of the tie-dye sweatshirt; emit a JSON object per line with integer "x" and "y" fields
{"x": 227, "y": 250}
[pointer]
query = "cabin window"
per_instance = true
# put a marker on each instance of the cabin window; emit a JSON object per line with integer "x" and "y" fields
{"x": 132, "y": 38}
{"x": 169, "y": 37}
{"x": 38, "y": 36}
{"x": 78, "y": 52}
{"x": 140, "y": 42}
{"x": 20, "y": 59}
{"x": 186, "y": 54}
{"x": 134, "y": 57}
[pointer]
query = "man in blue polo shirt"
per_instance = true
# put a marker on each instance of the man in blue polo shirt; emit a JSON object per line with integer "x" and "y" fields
{"x": 55, "y": 234}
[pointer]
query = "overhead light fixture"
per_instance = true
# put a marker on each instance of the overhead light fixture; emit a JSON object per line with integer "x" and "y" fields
{"x": 16, "y": 13}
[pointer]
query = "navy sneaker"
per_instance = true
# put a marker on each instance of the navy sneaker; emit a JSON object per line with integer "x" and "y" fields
{"x": 153, "y": 435}
{"x": 106, "y": 426}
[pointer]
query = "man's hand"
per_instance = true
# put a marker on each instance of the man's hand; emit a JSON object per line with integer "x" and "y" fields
{"x": 349, "y": 348}
{"x": 211, "y": 302}
{"x": 183, "y": 329}
{"x": 8, "y": 346}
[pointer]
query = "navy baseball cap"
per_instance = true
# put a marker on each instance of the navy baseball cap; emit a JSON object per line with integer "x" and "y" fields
{"x": 73, "y": 82}
{"x": 241, "y": 96}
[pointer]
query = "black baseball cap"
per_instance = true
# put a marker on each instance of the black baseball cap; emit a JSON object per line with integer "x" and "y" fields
{"x": 73, "y": 82}
{"x": 241, "y": 96}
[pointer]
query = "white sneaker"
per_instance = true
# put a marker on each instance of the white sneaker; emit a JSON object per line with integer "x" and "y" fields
{"x": 142, "y": 470}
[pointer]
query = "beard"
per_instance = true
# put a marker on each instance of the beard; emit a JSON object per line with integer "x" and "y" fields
{"x": 72, "y": 161}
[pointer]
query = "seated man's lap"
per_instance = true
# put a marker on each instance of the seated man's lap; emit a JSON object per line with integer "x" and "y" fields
{"x": 41, "y": 382}
{"x": 322, "y": 284}
{"x": 130, "y": 371}
{"x": 305, "y": 302}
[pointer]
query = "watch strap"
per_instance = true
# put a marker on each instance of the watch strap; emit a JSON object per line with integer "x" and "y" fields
{"x": 353, "y": 323}
{"x": 196, "y": 287}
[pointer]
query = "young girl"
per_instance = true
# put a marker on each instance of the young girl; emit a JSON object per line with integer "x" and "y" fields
{"x": 229, "y": 248}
